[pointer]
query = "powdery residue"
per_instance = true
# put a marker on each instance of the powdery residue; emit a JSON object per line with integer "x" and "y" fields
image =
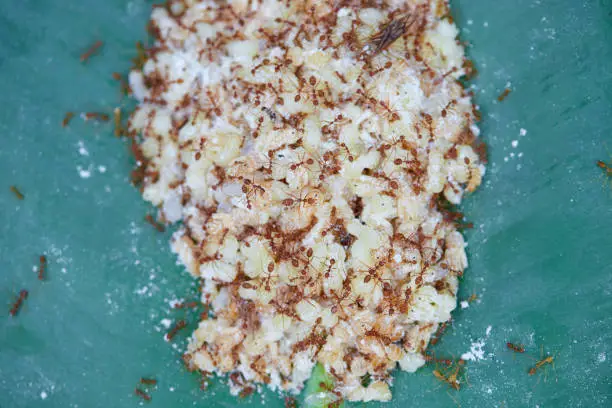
{"x": 477, "y": 352}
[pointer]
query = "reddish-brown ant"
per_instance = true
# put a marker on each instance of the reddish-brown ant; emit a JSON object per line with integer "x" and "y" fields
{"x": 604, "y": 166}
{"x": 438, "y": 334}
{"x": 158, "y": 226}
{"x": 42, "y": 261}
{"x": 97, "y": 116}
{"x": 67, "y": 118}
{"x": 181, "y": 324}
{"x": 250, "y": 189}
{"x": 142, "y": 394}
{"x": 246, "y": 392}
{"x": 300, "y": 200}
{"x": 303, "y": 162}
{"x": 17, "y": 193}
{"x": 91, "y": 51}
{"x": 504, "y": 94}
{"x": 23, "y": 295}
{"x": 290, "y": 402}
{"x": 540, "y": 363}
{"x": 517, "y": 348}
{"x": 148, "y": 381}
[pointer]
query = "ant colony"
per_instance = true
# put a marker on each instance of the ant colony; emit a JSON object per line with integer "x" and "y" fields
{"x": 310, "y": 150}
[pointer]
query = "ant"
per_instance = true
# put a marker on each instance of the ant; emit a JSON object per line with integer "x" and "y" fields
{"x": 91, "y": 51}
{"x": 604, "y": 166}
{"x": 42, "y": 267}
{"x": 387, "y": 65}
{"x": 250, "y": 189}
{"x": 67, "y": 118}
{"x": 17, "y": 193}
{"x": 142, "y": 394}
{"x": 390, "y": 114}
{"x": 157, "y": 225}
{"x": 23, "y": 295}
{"x": 438, "y": 334}
{"x": 504, "y": 94}
{"x": 517, "y": 348}
{"x": 540, "y": 363}
{"x": 326, "y": 129}
{"x": 303, "y": 162}
{"x": 451, "y": 379}
{"x": 300, "y": 200}
{"x": 181, "y": 324}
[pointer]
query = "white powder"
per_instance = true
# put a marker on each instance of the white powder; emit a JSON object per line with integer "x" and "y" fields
{"x": 465, "y": 304}
{"x": 84, "y": 173}
{"x": 43, "y": 395}
{"x": 601, "y": 357}
{"x": 514, "y": 143}
{"x": 476, "y": 352}
{"x": 82, "y": 150}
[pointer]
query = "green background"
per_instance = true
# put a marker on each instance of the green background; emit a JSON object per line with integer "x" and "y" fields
{"x": 540, "y": 252}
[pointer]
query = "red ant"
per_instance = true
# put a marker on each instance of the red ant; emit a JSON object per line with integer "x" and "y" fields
{"x": 181, "y": 324}
{"x": 326, "y": 129}
{"x": 23, "y": 295}
{"x": 142, "y": 394}
{"x": 387, "y": 65}
{"x": 607, "y": 168}
{"x": 302, "y": 162}
{"x": 42, "y": 267}
{"x": 249, "y": 188}
{"x": 91, "y": 51}
{"x": 517, "y": 348}
{"x": 289, "y": 202}
{"x": 67, "y": 118}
